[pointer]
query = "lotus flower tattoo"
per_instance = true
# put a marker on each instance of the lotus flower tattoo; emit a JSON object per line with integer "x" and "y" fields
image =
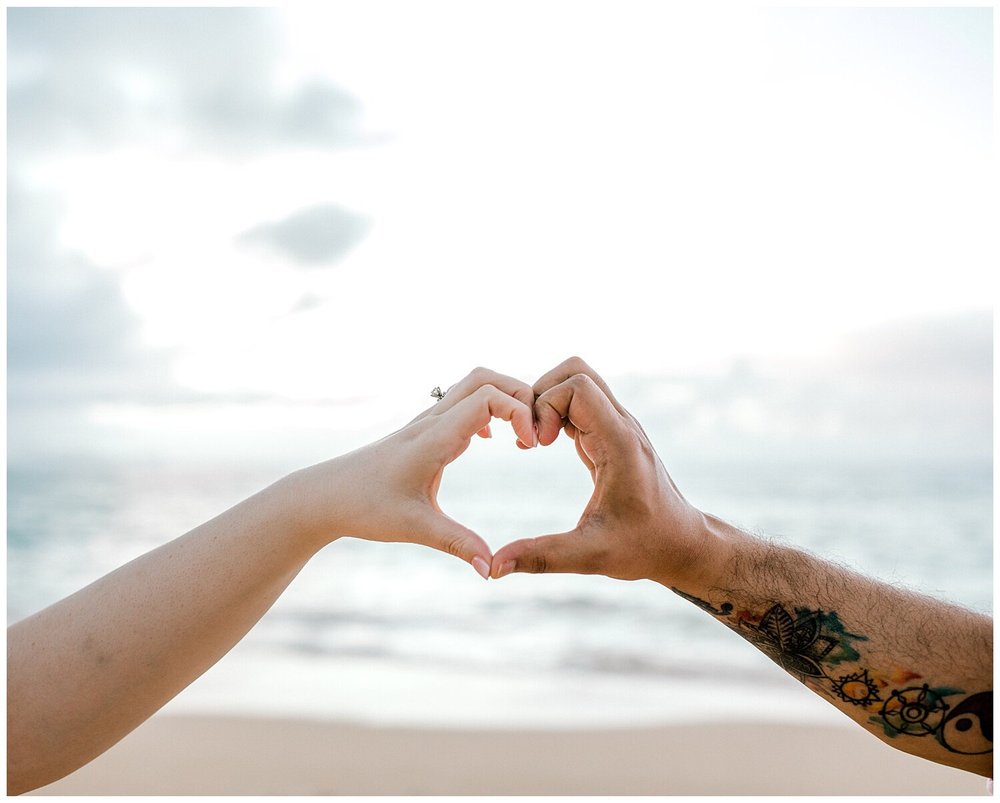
{"x": 796, "y": 646}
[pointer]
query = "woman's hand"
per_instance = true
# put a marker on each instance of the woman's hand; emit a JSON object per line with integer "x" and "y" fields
{"x": 387, "y": 491}
{"x": 137, "y": 636}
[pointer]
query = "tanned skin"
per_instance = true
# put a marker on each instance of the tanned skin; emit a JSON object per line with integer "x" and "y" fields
{"x": 914, "y": 671}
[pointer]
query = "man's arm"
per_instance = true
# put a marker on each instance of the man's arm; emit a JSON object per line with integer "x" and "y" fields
{"x": 88, "y": 669}
{"x": 914, "y": 671}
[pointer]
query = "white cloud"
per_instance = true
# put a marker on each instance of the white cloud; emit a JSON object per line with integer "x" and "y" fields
{"x": 189, "y": 77}
{"x": 665, "y": 192}
{"x": 915, "y": 388}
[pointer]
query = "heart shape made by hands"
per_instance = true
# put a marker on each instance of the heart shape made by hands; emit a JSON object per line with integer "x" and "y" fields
{"x": 505, "y": 493}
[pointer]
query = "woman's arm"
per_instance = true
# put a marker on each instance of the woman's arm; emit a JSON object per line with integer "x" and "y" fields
{"x": 84, "y": 672}
{"x": 914, "y": 671}
{"x": 87, "y": 670}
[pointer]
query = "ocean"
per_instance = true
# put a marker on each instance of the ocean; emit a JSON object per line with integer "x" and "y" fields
{"x": 400, "y": 634}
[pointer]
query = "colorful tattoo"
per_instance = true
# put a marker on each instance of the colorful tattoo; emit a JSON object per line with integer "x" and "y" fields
{"x": 795, "y": 645}
{"x": 856, "y": 689}
{"x": 810, "y": 644}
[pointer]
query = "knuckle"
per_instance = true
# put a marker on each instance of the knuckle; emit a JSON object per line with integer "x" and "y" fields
{"x": 487, "y": 390}
{"x": 535, "y": 562}
{"x": 581, "y": 381}
{"x": 524, "y": 392}
{"x": 480, "y": 374}
{"x": 454, "y": 545}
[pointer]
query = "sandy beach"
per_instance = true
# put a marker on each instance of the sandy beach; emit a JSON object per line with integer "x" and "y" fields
{"x": 187, "y": 755}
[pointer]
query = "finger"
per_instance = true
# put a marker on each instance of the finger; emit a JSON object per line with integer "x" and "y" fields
{"x": 444, "y": 533}
{"x": 581, "y": 452}
{"x": 572, "y": 367}
{"x": 476, "y": 411}
{"x": 570, "y": 429}
{"x": 476, "y": 379}
{"x": 565, "y": 552}
{"x": 583, "y": 403}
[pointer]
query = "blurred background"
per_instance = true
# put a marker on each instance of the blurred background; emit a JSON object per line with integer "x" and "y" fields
{"x": 241, "y": 241}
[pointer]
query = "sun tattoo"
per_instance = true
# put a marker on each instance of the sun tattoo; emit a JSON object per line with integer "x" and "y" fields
{"x": 856, "y": 689}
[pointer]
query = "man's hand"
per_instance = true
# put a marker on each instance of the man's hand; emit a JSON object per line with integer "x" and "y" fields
{"x": 912, "y": 670}
{"x": 636, "y": 524}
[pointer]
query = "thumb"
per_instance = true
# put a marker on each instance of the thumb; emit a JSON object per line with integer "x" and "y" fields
{"x": 562, "y": 553}
{"x": 444, "y": 533}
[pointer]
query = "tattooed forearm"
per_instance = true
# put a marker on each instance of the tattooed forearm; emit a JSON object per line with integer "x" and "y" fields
{"x": 817, "y": 648}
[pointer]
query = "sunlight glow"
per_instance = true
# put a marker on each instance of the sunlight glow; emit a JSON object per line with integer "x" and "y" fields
{"x": 658, "y": 190}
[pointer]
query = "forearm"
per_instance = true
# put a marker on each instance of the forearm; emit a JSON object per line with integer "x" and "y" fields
{"x": 87, "y": 670}
{"x": 915, "y": 671}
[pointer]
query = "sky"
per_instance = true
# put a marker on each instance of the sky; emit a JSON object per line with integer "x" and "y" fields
{"x": 241, "y": 229}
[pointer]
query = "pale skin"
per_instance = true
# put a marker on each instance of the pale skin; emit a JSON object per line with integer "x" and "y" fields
{"x": 84, "y": 672}
{"x": 914, "y": 671}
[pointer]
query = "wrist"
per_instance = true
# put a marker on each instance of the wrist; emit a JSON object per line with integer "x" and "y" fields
{"x": 709, "y": 544}
{"x": 307, "y": 497}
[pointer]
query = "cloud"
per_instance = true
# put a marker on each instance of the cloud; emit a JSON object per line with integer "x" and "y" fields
{"x": 71, "y": 338}
{"x": 101, "y": 78}
{"x": 952, "y": 350}
{"x": 313, "y": 236}
{"x": 203, "y": 77}
{"x": 916, "y": 388}
{"x": 75, "y": 348}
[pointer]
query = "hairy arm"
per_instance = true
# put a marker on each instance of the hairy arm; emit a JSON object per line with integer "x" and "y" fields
{"x": 85, "y": 671}
{"x": 914, "y": 671}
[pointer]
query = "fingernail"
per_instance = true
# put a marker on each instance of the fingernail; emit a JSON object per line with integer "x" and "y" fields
{"x": 534, "y": 428}
{"x": 481, "y": 566}
{"x": 505, "y": 568}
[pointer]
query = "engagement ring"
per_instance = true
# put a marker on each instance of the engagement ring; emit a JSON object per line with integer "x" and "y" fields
{"x": 437, "y": 394}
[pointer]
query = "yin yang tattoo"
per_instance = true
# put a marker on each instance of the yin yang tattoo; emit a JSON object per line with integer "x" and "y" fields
{"x": 968, "y": 727}
{"x": 810, "y": 644}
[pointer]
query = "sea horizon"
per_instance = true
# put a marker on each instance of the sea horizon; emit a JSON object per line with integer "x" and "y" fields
{"x": 400, "y": 634}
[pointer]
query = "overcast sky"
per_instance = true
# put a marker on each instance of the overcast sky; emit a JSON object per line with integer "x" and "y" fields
{"x": 233, "y": 224}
